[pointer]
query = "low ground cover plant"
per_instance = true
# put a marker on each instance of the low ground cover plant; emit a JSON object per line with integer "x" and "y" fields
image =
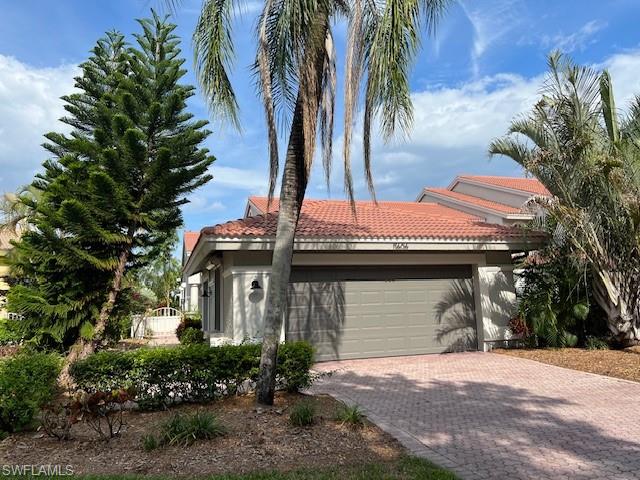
{"x": 27, "y": 382}
{"x": 185, "y": 429}
{"x": 596, "y": 343}
{"x": 350, "y": 414}
{"x": 190, "y": 373}
{"x": 303, "y": 414}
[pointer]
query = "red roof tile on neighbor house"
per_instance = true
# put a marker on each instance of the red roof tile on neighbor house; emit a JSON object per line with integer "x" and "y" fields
{"x": 190, "y": 240}
{"x": 530, "y": 185}
{"x": 333, "y": 218}
{"x": 481, "y": 202}
{"x": 261, "y": 204}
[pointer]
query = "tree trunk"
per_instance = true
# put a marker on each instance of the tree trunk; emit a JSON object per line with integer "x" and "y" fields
{"x": 82, "y": 348}
{"x": 294, "y": 185}
{"x": 618, "y": 298}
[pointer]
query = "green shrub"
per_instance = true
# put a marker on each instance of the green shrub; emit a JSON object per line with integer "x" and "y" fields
{"x": 351, "y": 414}
{"x": 192, "y": 336}
{"x": 192, "y": 320}
{"x": 569, "y": 340}
{"x": 294, "y": 366}
{"x": 183, "y": 430}
{"x": 190, "y": 373}
{"x": 27, "y": 382}
{"x": 595, "y": 343}
{"x": 9, "y": 332}
{"x": 303, "y": 413}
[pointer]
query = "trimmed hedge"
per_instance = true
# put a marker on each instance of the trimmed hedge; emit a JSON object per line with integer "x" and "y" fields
{"x": 190, "y": 373}
{"x": 27, "y": 381}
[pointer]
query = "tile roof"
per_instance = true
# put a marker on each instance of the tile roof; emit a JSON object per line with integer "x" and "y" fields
{"x": 333, "y": 218}
{"x": 481, "y": 202}
{"x": 190, "y": 240}
{"x": 261, "y": 203}
{"x": 529, "y": 185}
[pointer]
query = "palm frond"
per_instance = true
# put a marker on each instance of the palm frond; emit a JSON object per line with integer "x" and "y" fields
{"x": 214, "y": 52}
{"x": 267, "y": 99}
{"x": 327, "y": 109}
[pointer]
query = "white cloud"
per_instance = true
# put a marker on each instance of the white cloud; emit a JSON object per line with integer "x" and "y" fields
{"x": 30, "y": 106}
{"x": 577, "y": 41}
{"x": 453, "y": 128}
{"x": 491, "y": 21}
{"x": 625, "y": 75}
{"x": 254, "y": 181}
{"x": 201, "y": 204}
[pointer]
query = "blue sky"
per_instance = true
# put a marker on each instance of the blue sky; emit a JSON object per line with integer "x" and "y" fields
{"x": 484, "y": 67}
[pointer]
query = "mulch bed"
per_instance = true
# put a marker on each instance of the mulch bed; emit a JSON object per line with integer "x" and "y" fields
{"x": 613, "y": 363}
{"x": 257, "y": 439}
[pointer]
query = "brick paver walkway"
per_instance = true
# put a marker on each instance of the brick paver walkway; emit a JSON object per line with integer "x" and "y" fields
{"x": 486, "y": 415}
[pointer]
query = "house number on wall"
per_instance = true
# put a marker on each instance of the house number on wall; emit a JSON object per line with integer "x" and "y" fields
{"x": 401, "y": 246}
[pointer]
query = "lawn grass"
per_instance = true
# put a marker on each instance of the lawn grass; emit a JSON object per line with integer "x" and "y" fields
{"x": 405, "y": 468}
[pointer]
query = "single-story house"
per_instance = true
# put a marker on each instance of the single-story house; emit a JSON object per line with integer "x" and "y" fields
{"x": 428, "y": 276}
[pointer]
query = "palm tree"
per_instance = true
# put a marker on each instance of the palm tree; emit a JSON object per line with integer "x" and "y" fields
{"x": 296, "y": 75}
{"x": 15, "y": 209}
{"x": 588, "y": 156}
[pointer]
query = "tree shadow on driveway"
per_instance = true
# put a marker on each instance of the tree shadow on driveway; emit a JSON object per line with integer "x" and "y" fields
{"x": 485, "y": 429}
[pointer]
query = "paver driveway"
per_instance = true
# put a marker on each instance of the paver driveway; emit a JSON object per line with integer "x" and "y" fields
{"x": 486, "y": 415}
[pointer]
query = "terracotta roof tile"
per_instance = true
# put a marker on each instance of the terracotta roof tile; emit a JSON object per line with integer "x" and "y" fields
{"x": 261, "y": 204}
{"x": 530, "y": 185}
{"x": 481, "y": 202}
{"x": 333, "y": 218}
{"x": 190, "y": 240}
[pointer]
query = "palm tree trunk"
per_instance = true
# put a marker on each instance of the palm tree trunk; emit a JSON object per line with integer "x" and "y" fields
{"x": 294, "y": 185}
{"x": 618, "y": 298}
{"x": 82, "y": 348}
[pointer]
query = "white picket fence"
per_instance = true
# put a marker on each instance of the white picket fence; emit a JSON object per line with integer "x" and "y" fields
{"x": 161, "y": 322}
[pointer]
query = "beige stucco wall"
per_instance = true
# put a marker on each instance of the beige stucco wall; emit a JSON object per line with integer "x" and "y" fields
{"x": 243, "y": 308}
{"x": 495, "y": 299}
{"x": 488, "y": 217}
{"x": 493, "y": 195}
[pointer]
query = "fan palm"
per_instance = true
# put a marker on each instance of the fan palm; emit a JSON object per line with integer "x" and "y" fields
{"x": 296, "y": 72}
{"x": 588, "y": 156}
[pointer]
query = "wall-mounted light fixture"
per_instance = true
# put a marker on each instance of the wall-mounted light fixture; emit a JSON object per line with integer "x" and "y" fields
{"x": 255, "y": 285}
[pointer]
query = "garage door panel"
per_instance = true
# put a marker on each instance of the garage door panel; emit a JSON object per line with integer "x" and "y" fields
{"x": 359, "y": 319}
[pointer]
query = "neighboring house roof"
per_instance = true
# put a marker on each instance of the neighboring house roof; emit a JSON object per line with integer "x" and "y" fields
{"x": 260, "y": 203}
{"x": 333, "y": 218}
{"x": 529, "y": 185}
{"x": 480, "y": 202}
{"x": 190, "y": 240}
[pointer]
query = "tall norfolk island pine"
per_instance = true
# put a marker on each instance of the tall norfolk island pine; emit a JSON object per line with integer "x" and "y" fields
{"x": 112, "y": 191}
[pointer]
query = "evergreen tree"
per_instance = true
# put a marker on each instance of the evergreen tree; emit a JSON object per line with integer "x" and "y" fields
{"x": 112, "y": 192}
